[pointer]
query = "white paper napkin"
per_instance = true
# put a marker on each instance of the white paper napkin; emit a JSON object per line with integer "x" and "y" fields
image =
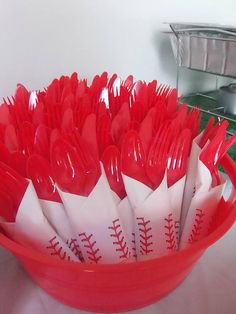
{"x": 153, "y": 219}
{"x": 32, "y": 229}
{"x": 58, "y": 218}
{"x": 202, "y": 207}
{"x": 191, "y": 173}
{"x": 97, "y": 222}
{"x": 176, "y": 192}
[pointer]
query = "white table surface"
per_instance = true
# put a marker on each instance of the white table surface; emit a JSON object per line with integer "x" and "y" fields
{"x": 209, "y": 289}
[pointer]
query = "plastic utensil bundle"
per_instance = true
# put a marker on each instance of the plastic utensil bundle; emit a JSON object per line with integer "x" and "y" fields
{"x": 119, "y": 169}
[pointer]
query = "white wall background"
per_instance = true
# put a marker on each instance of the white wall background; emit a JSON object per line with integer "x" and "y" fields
{"x": 40, "y": 40}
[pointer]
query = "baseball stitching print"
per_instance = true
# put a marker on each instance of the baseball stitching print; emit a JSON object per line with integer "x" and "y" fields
{"x": 177, "y": 226}
{"x": 89, "y": 245}
{"x": 74, "y": 246}
{"x": 145, "y": 235}
{"x": 56, "y": 249}
{"x": 134, "y": 245}
{"x": 170, "y": 232}
{"x": 119, "y": 240}
{"x": 197, "y": 226}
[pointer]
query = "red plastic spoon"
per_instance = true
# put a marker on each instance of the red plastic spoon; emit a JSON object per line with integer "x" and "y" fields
{"x": 133, "y": 159}
{"x": 68, "y": 172}
{"x": 39, "y": 171}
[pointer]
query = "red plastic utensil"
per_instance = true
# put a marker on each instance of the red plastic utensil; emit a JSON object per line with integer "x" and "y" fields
{"x": 178, "y": 157}
{"x": 88, "y": 162}
{"x": 111, "y": 82}
{"x": 89, "y": 134}
{"x": 151, "y": 92}
{"x": 13, "y": 183}
{"x": 39, "y": 171}
{"x": 128, "y": 83}
{"x": 133, "y": 158}
{"x": 172, "y": 102}
{"x": 4, "y": 114}
{"x": 81, "y": 89}
{"x": 17, "y": 161}
{"x": 4, "y": 154}
{"x": 68, "y": 172}
{"x": 211, "y": 155}
{"x": 111, "y": 160}
{"x": 26, "y": 135}
{"x": 140, "y": 94}
{"x": 10, "y": 138}
{"x": 22, "y": 95}
{"x": 67, "y": 123}
{"x": 74, "y": 82}
{"x": 7, "y": 211}
{"x": 55, "y": 135}
{"x": 121, "y": 122}
{"x": 192, "y": 122}
{"x": 38, "y": 115}
{"x": 206, "y": 132}
{"x": 104, "y": 138}
{"x": 146, "y": 129}
{"x": 215, "y": 150}
{"x": 180, "y": 115}
{"x": 42, "y": 141}
{"x": 157, "y": 157}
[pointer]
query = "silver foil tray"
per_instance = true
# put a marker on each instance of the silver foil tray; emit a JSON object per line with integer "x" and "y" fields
{"x": 206, "y": 48}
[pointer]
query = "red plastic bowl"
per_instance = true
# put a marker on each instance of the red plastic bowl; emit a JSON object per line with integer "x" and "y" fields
{"x": 123, "y": 287}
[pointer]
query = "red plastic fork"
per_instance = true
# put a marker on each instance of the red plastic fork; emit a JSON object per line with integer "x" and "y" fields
{"x": 146, "y": 129}
{"x": 26, "y": 134}
{"x": 193, "y": 120}
{"x": 104, "y": 138}
{"x": 211, "y": 130}
{"x": 157, "y": 157}
{"x": 133, "y": 158}
{"x": 216, "y": 149}
{"x": 111, "y": 160}
{"x": 178, "y": 157}
{"x": 172, "y": 102}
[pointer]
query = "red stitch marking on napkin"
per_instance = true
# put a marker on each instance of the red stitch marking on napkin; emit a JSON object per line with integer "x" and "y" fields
{"x": 92, "y": 251}
{"x": 57, "y": 249}
{"x": 177, "y": 225}
{"x": 197, "y": 226}
{"x": 134, "y": 245}
{"x": 119, "y": 239}
{"x": 74, "y": 246}
{"x": 170, "y": 231}
{"x": 145, "y": 236}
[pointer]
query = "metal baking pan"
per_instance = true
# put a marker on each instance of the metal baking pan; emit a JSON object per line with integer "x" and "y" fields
{"x": 205, "y": 47}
